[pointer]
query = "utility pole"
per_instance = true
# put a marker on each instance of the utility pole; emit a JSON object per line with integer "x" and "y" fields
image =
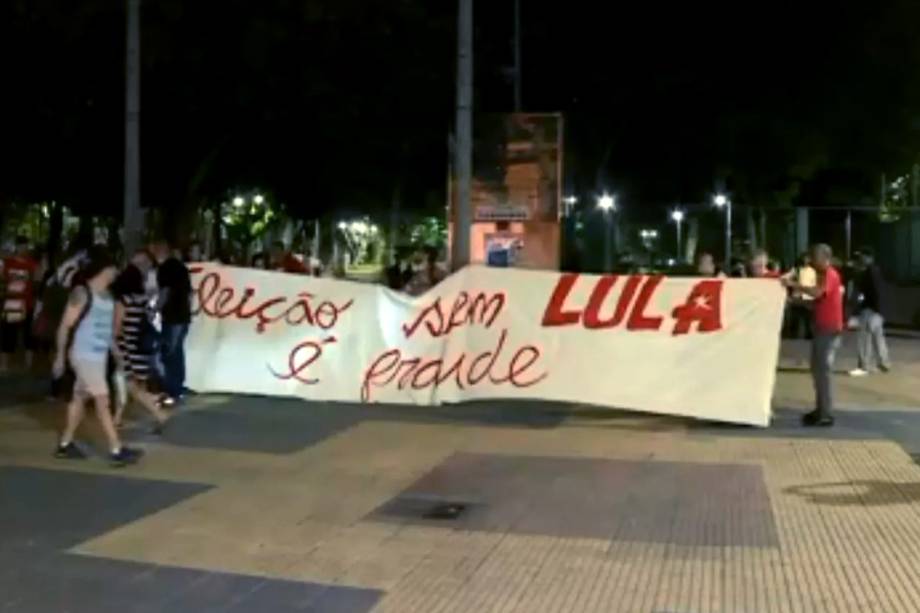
{"x": 518, "y": 104}
{"x": 463, "y": 217}
{"x": 133, "y": 215}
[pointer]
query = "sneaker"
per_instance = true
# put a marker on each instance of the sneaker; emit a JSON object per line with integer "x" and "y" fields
{"x": 69, "y": 452}
{"x": 167, "y": 402}
{"x": 886, "y": 368}
{"x": 816, "y": 419}
{"x": 859, "y": 372}
{"x": 125, "y": 456}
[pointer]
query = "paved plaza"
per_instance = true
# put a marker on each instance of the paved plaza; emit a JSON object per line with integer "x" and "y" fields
{"x": 267, "y": 505}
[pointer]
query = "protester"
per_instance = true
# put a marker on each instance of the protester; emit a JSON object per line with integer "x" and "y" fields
{"x": 42, "y": 330}
{"x": 194, "y": 253}
{"x": 429, "y": 272}
{"x": 759, "y": 266}
{"x": 67, "y": 274}
{"x": 828, "y": 326}
{"x": 800, "y": 303}
{"x": 85, "y": 340}
{"x": 398, "y": 274}
{"x": 259, "y": 261}
{"x": 738, "y": 268}
{"x": 706, "y": 265}
{"x": 313, "y": 263}
{"x": 872, "y": 348}
{"x": 174, "y": 289}
{"x": 136, "y": 336}
{"x": 222, "y": 256}
{"x": 20, "y": 274}
{"x": 282, "y": 260}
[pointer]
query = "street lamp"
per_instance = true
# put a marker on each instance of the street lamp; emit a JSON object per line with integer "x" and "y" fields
{"x": 721, "y": 201}
{"x": 238, "y": 201}
{"x": 677, "y": 216}
{"x": 258, "y": 199}
{"x": 607, "y": 204}
{"x": 569, "y": 202}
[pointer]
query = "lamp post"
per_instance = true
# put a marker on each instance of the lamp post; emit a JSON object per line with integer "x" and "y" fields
{"x": 721, "y": 201}
{"x": 608, "y": 205}
{"x": 569, "y": 202}
{"x": 677, "y": 216}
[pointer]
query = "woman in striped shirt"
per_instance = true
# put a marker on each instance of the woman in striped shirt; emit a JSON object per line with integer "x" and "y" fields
{"x": 131, "y": 325}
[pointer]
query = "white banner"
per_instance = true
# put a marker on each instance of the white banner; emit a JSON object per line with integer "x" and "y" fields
{"x": 705, "y": 348}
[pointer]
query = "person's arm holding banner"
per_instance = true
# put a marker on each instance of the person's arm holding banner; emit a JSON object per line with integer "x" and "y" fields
{"x": 813, "y": 291}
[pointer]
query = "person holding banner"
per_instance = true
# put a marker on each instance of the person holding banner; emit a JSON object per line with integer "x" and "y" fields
{"x": 428, "y": 274}
{"x": 174, "y": 303}
{"x": 136, "y": 336}
{"x": 828, "y": 328}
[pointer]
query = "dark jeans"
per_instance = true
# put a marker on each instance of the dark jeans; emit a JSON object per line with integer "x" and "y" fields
{"x": 172, "y": 358}
{"x": 799, "y": 318}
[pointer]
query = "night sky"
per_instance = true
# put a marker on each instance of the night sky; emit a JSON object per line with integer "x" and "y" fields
{"x": 336, "y": 105}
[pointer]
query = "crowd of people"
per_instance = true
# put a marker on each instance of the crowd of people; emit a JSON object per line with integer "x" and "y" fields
{"x": 116, "y": 335}
{"x": 110, "y": 334}
{"x": 825, "y": 298}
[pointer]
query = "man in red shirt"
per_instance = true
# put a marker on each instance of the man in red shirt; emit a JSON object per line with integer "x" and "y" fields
{"x": 828, "y": 326}
{"x": 19, "y": 272}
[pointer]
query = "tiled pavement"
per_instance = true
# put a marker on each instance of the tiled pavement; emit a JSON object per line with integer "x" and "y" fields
{"x": 269, "y": 505}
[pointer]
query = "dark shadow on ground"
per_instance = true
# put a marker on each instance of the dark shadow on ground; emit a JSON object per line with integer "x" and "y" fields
{"x": 852, "y": 493}
{"x": 282, "y": 426}
{"x": 17, "y": 389}
{"x": 902, "y": 427}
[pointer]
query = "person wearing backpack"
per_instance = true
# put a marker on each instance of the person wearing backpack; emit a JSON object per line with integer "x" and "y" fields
{"x": 136, "y": 336}
{"x": 85, "y": 339}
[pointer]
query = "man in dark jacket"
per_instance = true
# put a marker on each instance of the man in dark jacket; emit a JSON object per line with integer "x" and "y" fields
{"x": 174, "y": 303}
{"x": 871, "y": 344}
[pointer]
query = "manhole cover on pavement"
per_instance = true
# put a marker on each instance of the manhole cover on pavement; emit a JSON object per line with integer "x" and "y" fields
{"x": 446, "y": 510}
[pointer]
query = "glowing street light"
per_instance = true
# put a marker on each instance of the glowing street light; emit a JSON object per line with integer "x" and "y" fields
{"x": 721, "y": 201}
{"x": 238, "y": 201}
{"x": 258, "y": 199}
{"x": 677, "y": 216}
{"x": 607, "y": 204}
{"x": 569, "y": 202}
